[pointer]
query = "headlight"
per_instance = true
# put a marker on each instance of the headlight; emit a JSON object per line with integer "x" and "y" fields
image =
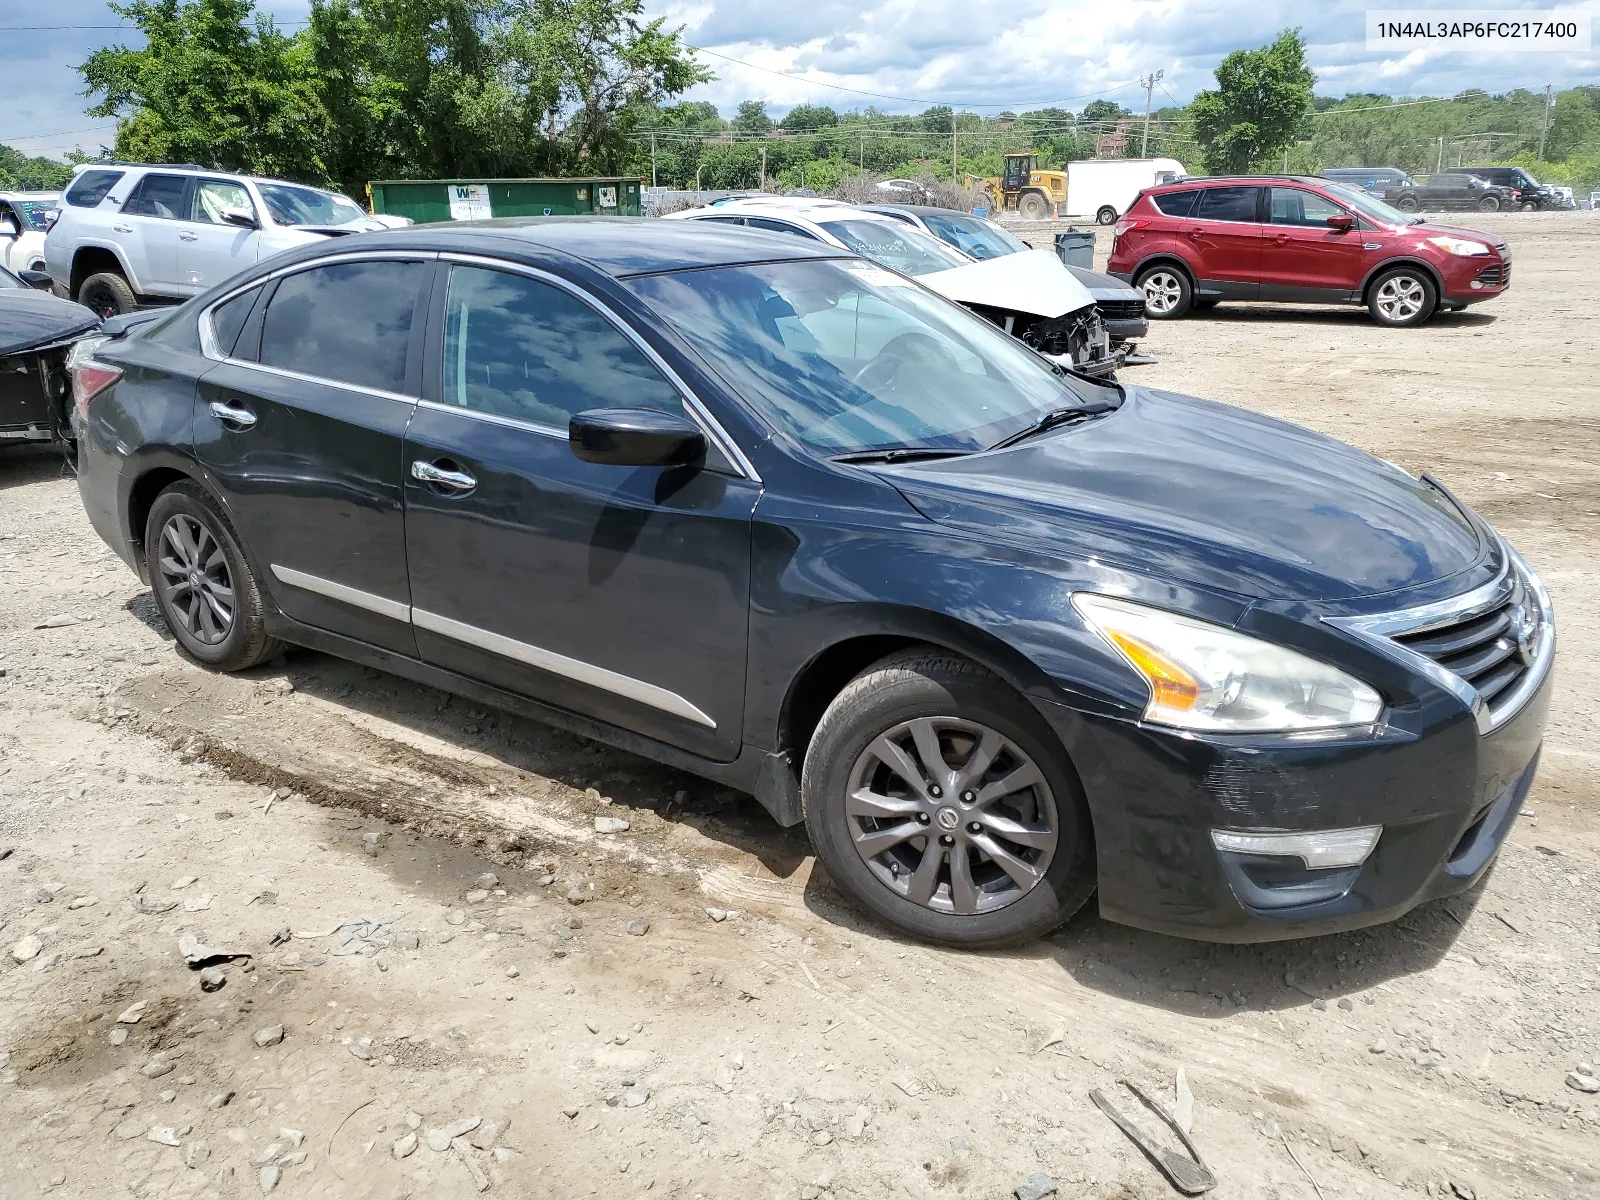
{"x": 1462, "y": 246}
{"x": 1205, "y": 677}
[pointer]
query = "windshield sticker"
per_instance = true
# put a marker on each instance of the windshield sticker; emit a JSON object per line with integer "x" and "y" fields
{"x": 876, "y": 276}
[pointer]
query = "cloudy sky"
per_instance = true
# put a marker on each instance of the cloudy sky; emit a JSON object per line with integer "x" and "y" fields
{"x": 982, "y": 54}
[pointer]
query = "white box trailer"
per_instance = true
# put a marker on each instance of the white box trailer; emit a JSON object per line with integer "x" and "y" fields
{"x": 1103, "y": 188}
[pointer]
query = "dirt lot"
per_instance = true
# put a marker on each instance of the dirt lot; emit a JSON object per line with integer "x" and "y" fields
{"x": 648, "y": 1040}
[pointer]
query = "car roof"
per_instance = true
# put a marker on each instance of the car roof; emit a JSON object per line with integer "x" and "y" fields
{"x": 920, "y": 209}
{"x": 44, "y": 195}
{"x": 617, "y": 246}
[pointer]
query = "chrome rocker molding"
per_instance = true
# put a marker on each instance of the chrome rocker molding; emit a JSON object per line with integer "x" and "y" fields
{"x": 1379, "y": 629}
{"x": 534, "y": 656}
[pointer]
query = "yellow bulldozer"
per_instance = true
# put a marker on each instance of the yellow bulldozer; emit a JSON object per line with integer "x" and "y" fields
{"x": 1024, "y": 188}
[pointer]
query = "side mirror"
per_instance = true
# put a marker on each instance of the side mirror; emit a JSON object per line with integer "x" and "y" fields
{"x": 39, "y": 280}
{"x": 238, "y": 216}
{"x": 636, "y": 437}
{"x": 1344, "y": 222}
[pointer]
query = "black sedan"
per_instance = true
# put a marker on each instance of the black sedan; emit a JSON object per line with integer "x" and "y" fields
{"x": 998, "y": 634}
{"x": 37, "y": 332}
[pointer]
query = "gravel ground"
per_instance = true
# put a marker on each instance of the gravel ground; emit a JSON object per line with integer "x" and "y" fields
{"x": 456, "y": 983}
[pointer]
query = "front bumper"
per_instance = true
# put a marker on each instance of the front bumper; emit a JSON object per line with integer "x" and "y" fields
{"x": 1446, "y": 800}
{"x": 1127, "y": 329}
{"x": 1474, "y": 280}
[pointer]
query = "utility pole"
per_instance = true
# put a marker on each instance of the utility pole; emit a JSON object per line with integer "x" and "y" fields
{"x": 1545, "y": 129}
{"x": 955, "y": 176}
{"x": 653, "y": 160}
{"x": 762, "y": 186}
{"x": 1440, "y": 166}
{"x": 861, "y": 154}
{"x": 1149, "y": 84}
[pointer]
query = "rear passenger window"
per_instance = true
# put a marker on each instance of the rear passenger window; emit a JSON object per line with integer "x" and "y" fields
{"x": 346, "y": 322}
{"x": 517, "y": 347}
{"x": 158, "y": 196}
{"x": 1176, "y": 204}
{"x": 227, "y": 321}
{"x": 1227, "y": 204}
{"x": 91, "y": 187}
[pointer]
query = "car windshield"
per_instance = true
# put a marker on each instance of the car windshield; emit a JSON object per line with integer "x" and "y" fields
{"x": 907, "y": 250}
{"x": 847, "y": 357}
{"x": 1370, "y": 206}
{"x": 973, "y": 235}
{"x": 292, "y": 205}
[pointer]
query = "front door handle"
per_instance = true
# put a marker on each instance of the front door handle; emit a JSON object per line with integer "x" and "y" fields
{"x": 234, "y": 415}
{"x": 455, "y": 481}
{"x": 188, "y": 236}
{"x": 122, "y": 229}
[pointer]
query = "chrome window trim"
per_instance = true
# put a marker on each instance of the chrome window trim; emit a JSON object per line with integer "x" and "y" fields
{"x": 1378, "y": 631}
{"x": 559, "y": 664}
{"x": 692, "y": 403}
{"x": 382, "y": 605}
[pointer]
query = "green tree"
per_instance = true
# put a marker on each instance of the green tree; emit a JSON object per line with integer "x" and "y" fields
{"x": 803, "y": 118}
{"x": 752, "y": 118}
{"x": 1103, "y": 110}
{"x": 1574, "y": 125}
{"x": 208, "y": 88}
{"x": 1261, "y": 98}
{"x": 24, "y": 173}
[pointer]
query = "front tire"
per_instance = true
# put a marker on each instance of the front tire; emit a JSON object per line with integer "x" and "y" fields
{"x": 203, "y": 584}
{"x": 1402, "y": 297}
{"x": 1489, "y": 204}
{"x": 1034, "y": 207}
{"x": 107, "y": 295}
{"x": 942, "y": 803}
{"x": 1167, "y": 291}
{"x": 1407, "y": 204}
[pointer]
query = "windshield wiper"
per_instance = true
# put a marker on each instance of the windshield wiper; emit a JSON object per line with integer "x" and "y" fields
{"x": 900, "y": 454}
{"x": 1056, "y": 418}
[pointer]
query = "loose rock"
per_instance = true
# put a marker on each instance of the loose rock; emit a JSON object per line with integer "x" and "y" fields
{"x": 212, "y": 979}
{"x": 404, "y": 1146}
{"x": 638, "y": 927}
{"x": 268, "y": 1177}
{"x": 27, "y": 948}
{"x": 166, "y": 1135}
{"x": 1035, "y": 1187}
{"x": 117, "y": 1036}
{"x": 156, "y": 1068}
{"x": 271, "y": 1035}
{"x": 487, "y": 1134}
{"x": 196, "y": 1153}
{"x": 1587, "y": 1084}
{"x": 610, "y": 825}
{"x": 132, "y": 1014}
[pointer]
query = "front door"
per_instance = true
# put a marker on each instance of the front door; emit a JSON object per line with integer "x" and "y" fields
{"x": 148, "y": 231}
{"x": 210, "y": 249}
{"x": 618, "y": 592}
{"x": 1222, "y": 242}
{"x": 1303, "y": 257}
{"x": 301, "y": 433}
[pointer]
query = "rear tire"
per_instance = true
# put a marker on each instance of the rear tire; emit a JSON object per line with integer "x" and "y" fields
{"x": 1402, "y": 297}
{"x": 1407, "y": 204}
{"x": 1530, "y": 206}
{"x": 1167, "y": 291}
{"x": 202, "y": 581}
{"x": 962, "y": 712}
{"x": 107, "y": 295}
{"x": 1106, "y": 216}
{"x": 1489, "y": 204}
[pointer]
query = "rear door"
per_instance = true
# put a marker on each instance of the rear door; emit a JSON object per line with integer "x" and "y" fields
{"x": 147, "y": 231}
{"x": 618, "y": 592}
{"x": 300, "y": 429}
{"x": 1222, "y": 241}
{"x": 1304, "y": 258}
{"x": 210, "y": 249}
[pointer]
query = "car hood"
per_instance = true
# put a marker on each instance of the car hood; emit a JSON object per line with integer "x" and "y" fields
{"x": 1427, "y": 229}
{"x": 1208, "y": 495}
{"x": 1033, "y": 282}
{"x": 1105, "y": 287}
{"x": 30, "y": 318}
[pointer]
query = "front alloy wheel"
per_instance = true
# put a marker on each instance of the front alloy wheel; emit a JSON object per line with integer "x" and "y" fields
{"x": 951, "y": 815}
{"x": 1166, "y": 292}
{"x": 1401, "y": 298}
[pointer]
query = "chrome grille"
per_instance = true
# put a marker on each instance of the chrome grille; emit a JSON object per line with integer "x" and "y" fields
{"x": 1490, "y": 651}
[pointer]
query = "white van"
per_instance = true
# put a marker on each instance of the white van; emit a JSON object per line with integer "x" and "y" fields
{"x": 1103, "y": 188}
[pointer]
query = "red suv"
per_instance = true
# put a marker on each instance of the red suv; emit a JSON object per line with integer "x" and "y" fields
{"x": 1301, "y": 241}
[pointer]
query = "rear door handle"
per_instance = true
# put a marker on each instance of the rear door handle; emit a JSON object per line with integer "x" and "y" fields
{"x": 455, "y": 481}
{"x": 188, "y": 236}
{"x": 122, "y": 229}
{"x": 235, "y": 415}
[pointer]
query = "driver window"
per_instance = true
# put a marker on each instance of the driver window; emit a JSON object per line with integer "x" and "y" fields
{"x": 1291, "y": 206}
{"x": 211, "y": 196}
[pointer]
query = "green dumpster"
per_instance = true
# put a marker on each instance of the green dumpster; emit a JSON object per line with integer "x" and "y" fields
{"x": 425, "y": 200}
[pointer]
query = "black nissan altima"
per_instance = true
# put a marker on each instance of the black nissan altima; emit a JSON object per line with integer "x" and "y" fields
{"x": 999, "y": 635}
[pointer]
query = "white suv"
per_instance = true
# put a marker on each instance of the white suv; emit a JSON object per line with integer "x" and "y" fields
{"x": 131, "y": 234}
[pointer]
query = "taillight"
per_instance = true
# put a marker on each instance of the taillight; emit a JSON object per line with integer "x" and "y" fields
{"x": 89, "y": 377}
{"x": 1128, "y": 225}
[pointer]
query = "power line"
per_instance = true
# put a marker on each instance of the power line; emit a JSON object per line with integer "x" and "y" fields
{"x": 41, "y": 137}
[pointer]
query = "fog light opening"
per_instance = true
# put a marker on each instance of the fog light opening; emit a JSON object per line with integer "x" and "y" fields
{"x": 1327, "y": 849}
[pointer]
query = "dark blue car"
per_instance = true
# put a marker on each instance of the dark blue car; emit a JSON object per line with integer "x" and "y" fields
{"x": 998, "y": 634}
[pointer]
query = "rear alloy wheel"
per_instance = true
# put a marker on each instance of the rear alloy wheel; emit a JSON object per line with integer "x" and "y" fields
{"x": 1489, "y": 204}
{"x": 1402, "y": 297}
{"x": 1407, "y": 204}
{"x": 940, "y": 801}
{"x": 202, "y": 583}
{"x": 1167, "y": 292}
{"x": 1034, "y": 206}
{"x": 1106, "y": 216}
{"x": 107, "y": 295}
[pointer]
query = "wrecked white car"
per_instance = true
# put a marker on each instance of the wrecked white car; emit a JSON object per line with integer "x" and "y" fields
{"x": 1028, "y": 294}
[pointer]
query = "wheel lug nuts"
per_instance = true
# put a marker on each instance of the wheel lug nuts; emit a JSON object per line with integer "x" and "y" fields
{"x": 974, "y": 827}
{"x": 968, "y": 797}
{"x": 947, "y": 840}
{"x": 935, "y": 791}
{"x": 923, "y": 818}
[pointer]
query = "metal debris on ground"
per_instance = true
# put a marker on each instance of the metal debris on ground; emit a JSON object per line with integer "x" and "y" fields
{"x": 1189, "y": 1175}
{"x": 198, "y": 955}
{"x": 366, "y": 935}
